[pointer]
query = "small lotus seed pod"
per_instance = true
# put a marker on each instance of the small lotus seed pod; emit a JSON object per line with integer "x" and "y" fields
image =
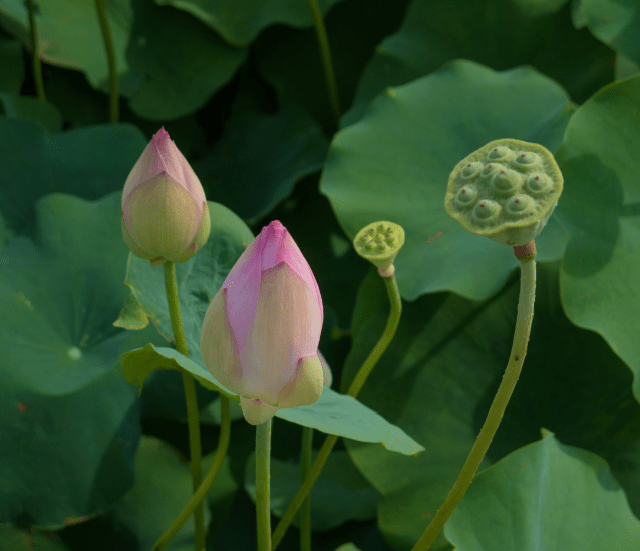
{"x": 379, "y": 243}
{"x": 505, "y": 190}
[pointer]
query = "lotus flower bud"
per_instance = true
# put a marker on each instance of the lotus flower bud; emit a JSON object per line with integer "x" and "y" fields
{"x": 261, "y": 332}
{"x": 164, "y": 211}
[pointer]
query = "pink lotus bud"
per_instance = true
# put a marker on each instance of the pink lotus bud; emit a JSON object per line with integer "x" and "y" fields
{"x": 164, "y": 211}
{"x": 261, "y": 332}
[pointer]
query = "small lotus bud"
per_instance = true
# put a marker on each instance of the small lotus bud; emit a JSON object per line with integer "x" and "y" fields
{"x": 164, "y": 210}
{"x": 261, "y": 331}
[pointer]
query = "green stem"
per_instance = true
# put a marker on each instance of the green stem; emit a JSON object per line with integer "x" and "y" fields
{"x": 305, "y": 511}
{"x": 263, "y": 474}
{"x": 223, "y": 446}
{"x": 491, "y": 424}
{"x": 193, "y": 420}
{"x": 325, "y": 52}
{"x": 37, "y": 69}
{"x": 354, "y": 389}
{"x": 111, "y": 59}
{"x": 385, "y": 339}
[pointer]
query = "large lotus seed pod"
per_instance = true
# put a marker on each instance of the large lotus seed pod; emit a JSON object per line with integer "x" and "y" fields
{"x": 379, "y": 243}
{"x": 505, "y": 190}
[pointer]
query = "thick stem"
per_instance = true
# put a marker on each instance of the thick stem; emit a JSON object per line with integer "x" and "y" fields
{"x": 111, "y": 60}
{"x": 354, "y": 389}
{"x": 305, "y": 511}
{"x": 35, "y": 58}
{"x": 207, "y": 482}
{"x": 325, "y": 52}
{"x": 193, "y": 420}
{"x": 263, "y": 492}
{"x": 498, "y": 407}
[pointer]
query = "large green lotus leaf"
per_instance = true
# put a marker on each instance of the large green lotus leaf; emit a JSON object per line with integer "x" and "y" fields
{"x": 199, "y": 279}
{"x": 33, "y": 109}
{"x": 439, "y": 375}
{"x": 340, "y": 494}
{"x": 501, "y": 34}
{"x": 89, "y": 163}
{"x": 161, "y": 490}
{"x": 169, "y": 64}
{"x": 615, "y": 22}
{"x": 339, "y": 414}
{"x": 66, "y": 410}
{"x": 11, "y": 65}
{"x": 14, "y": 539}
{"x": 259, "y": 159}
{"x": 625, "y": 67}
{"x": 138, "y": 364}
{"x": 333, "y": 413}
{"x": 545, "y": 496}
{"x": 600, "y": 207}
{"x": 240, "y": 21}
{"x": 394, "y": 165}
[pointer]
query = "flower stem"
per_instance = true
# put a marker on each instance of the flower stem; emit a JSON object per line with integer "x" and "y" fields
{"x": 193, "y": 421}
{"x": 305, "y": 511}
{"x": 492, "y": 422}
{"x": 223, "y": 446}
{"x": 263, "y": 494}
{"x": 385, "y": 339}
{"x": 37, "y": 69}
{"x": 325, "y": 52}
{"x": 354, "y": 389}
{"x": 111, "y": 60}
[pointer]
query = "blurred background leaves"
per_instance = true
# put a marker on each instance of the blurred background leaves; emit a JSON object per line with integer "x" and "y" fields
{"x": 239, "y": 85}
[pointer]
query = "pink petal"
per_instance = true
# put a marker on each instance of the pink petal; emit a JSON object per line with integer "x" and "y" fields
{"x": 271, "y": 247}
{"x": 161, "y": 156}
{"x": 286, "y": 326}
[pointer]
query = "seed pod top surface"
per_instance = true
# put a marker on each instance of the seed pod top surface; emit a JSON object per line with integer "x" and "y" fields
{"x": 379, "y": 243}
{"x": 505, "y": 190}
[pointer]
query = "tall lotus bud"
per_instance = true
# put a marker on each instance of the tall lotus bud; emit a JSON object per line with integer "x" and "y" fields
{"x": 164, "y": 211}
{"x": 261, "y": 332}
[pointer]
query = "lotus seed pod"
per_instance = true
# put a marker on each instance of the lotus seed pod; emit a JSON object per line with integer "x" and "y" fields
{"x": 505, "y": 190}
{"x": 380, "y": 242}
